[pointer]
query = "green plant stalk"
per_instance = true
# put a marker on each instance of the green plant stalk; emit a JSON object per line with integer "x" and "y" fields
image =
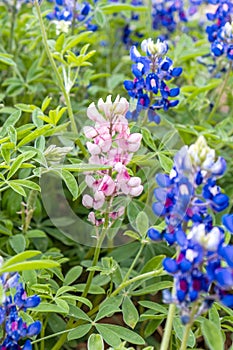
{"x": 58, "y": 78}
{"x": 31, "y": 203}
{"x": 220, "y": 93}
{"x": 55, "y": 69}
{"x": 94, "y": 263}
{"x": 168, "y": 327}
{"x": 100, "y": 240}
{"x": 134, "y": 262}
{"x": 74, "y": 17}
{"x": 13, "y": 19}
{"x": 188, "y": 327}
{"x": 42, "y": 345}
{"x": 146, "y": 275}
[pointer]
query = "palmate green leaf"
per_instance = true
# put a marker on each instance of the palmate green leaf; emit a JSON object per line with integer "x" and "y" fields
{"x": 82, "y": 167}
{"x": 73, "y": 41}
{"x": 153, "y": 306}
{"x": 79, "y": 331}
{"x": 6, "y": 59}
{"x": 10, "y": 121}
{"x": 130, "y": 313}
{"x": 33, "y": 135}
{"x": 148, "y": 140}
{"x": 212, "y": 335}
{"x": 95, "y": 342}
{"x": 18, "y": 243}
{"x": 72, "y": 275}
{"x": 179, "y": 329}
{"x": 76, "y": 312}
{"x": 142, "y": 223}
{"x": 127, "y": 334}
{"x": 165, "y": 162}
{"x": 71, "y": 183}
{"x": 108, "y": 335}
{"x": 153, "y": 264}
{"x": 25, "y": 108}
{"x": 94, "y": 289}
{"x": 19, "y": 161}
{"x": 35, "y": 234}
{"x": 5, "y": 231}
{"x": 214, "y": 316}
{"x": 152, "y": 289}
{"x": 25, "y": 183}
{"x": 114, "y": 8}
{"x": 17, "y": 188}
{"x": 62, "y": 304}
{"x": 100, "y": 17}
{"x": 107, "y": 311}
{"x": 65, "y": 289}
{"x": 21, "y": 257}
{"x": 29, "y": 265}
{"x": 47, "y": 307}
{"x": 46, "y": 102}
{"x": 59, "y": 43}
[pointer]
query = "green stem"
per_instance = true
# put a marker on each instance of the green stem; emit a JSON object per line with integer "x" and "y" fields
{"x": 146, "y": 275}
{"x": 220, "y": 93}
{"x": 94, "y": 263}
{"x": 100, "y": 240}
{"x": 188, "y": 327}
{"x": 134, "y": 262}
{"x": 55, "y": 69}
{"x": 13, "y": 20}
{"x": 74, "y": 17}
{"x": 168, "y": 327}
{"x": 50, "y": 336}
{"x": 185, "y": 336}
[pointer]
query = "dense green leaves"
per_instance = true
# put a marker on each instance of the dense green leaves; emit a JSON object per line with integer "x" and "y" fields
{"x": 212, "y": 335}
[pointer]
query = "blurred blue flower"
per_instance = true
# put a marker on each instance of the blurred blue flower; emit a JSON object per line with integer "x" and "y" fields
{"x": 13, "y": 300}
{"x": 220, "y": 34}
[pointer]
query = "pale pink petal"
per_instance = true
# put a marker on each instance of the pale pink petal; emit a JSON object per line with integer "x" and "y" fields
{"x": 125, "y": 188}
{"x": 134, "y": 181}
{"x": 99, "y": 200}
{"x": 93, "y": 114}
{"x": 136, "y": 191}
{"x": 90, "y": 132}
{"x": 134, "y": 141}
{"x": 87, "y": 201}
{"x": 93, "y": 148}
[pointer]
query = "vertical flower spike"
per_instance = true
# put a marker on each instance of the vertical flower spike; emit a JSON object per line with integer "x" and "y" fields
{"x": 149, "y": 86}
{"x": 64, "y": 12}
{"x": 220, "y": 34}
{"x": 14, "y": 299}
{"x": 110, "y": 144}
{"x": 203, "y": 269}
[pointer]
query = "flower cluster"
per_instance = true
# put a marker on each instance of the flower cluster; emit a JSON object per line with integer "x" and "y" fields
{"x": 113, "y": 145}
{"x": 187, "y": 198}
{"x": 65, "y": 11}
{"x": 220, "y": 34}
{"x": 14, "y": 300}
{"x": 151, "y": 73}
{"x": 167, "y": 13}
